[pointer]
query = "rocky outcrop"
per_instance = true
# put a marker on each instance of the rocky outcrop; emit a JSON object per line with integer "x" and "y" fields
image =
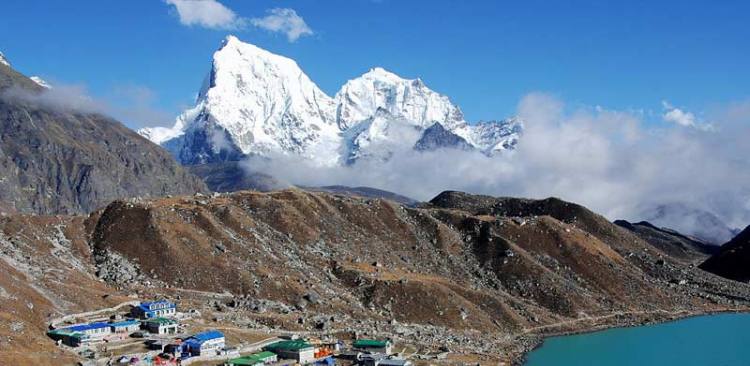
{"x": 437, "y": 137}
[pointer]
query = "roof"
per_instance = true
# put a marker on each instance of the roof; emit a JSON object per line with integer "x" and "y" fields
{"x": 370, "y": 343}
{"x": 291, "y": 345}
{"x": 124, "y": 323}
{"x": 146, "y": 306}
{"x": 206, "y": 336}
{"x": 394, "y": 362}
{"x": 161, "y": 321}
{"x": 254, "y": 359}
{"x": 85, "y": 327}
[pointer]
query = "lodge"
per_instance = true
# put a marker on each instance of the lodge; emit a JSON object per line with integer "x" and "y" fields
{"x": 154, "y": 309}
{"x": 205, "y": 343}
{"x": 374, "y": 346}
{"x": 298, "y": 350}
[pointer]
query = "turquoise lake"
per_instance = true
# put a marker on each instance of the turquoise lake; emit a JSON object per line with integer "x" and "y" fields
{"x": 713, "y": 340}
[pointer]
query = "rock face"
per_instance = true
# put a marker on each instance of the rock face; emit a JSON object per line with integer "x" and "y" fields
{"x": 437, "y": 137}
{"x": 733, "y": 259}
{"x": 255, "y": 103}
{"x": 54, "y": 159}
{"x": 671, "y": 242}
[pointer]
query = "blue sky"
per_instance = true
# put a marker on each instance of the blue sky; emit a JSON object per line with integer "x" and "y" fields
{"x": 485, "y": 55}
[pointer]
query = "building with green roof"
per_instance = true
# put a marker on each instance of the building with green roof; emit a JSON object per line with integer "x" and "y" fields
{"x": 374, "y": 346}
{"x": 298, "y": 350}
{"x": 255, "y": 359}
{"x": 160, "y": 326}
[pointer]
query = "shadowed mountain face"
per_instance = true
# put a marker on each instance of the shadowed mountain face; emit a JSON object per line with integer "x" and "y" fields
{"x": 231, "y": 176}
{"x": 733, "y": 259}
{"x": 671, "y": 242}
{"x": 438, "y": 137}
{"x": 55, "y": 160}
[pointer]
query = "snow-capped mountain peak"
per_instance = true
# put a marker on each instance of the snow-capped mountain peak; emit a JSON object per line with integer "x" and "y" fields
{"x": 254, "y": 102}
{"x": 262, "y": 102}
{"x": 409, "y": 99}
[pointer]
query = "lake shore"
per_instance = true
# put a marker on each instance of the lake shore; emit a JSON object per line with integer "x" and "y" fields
{"x": 530, "y": 342}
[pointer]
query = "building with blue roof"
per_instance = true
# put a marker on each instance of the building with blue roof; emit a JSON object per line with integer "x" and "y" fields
{"x": 205, "y": 343}
{"x": 76, "y": 335}
{"x": 91, "y": 329}
{"x": 125, "y": 326}
{"x": 154, "y": 309}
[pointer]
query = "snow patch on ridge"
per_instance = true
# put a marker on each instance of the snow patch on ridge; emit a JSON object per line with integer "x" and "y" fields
{"x": 41, "y": 82}
{"x": 4, "y": 60}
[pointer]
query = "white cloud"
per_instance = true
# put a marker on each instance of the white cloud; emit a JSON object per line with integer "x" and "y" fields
{"x": 65, "y": 97}
{"x": 610, "y": 161}
{"x": 207, "y": 13}
{"x": 215, "y": 15}
{"x": 284, "y": 20}
{"x": 133, "y": 105}
{"x": 676, "y": 115}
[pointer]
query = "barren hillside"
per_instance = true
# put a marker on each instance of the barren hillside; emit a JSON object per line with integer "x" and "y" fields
{"x": 480, "y": 275}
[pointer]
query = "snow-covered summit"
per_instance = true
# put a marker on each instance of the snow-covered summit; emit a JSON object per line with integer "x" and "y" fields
{"x": 254, "y": 102}
{"x": 409, "y": 99}
{"x": 262, "y": 102}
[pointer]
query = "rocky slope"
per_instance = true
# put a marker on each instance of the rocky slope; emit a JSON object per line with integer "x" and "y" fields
{"x": 477, "y": 274}
{"x": 689, "y": 249}
{"x": 257, "y": 103}
{"x": 55, "y": 159}
{"x": 733, "y": 259}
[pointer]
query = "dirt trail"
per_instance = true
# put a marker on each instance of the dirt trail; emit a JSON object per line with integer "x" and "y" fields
{"x": 53, "y": 323}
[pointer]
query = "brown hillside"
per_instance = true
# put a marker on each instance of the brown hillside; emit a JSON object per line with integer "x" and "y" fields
{"x": 477, "y": 274}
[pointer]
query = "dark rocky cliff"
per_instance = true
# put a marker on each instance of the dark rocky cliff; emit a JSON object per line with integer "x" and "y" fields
{"x": 733, "y": 260}
{"x": 56, "y": 160}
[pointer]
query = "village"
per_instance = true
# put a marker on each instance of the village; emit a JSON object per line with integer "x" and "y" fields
{"x": 155, "y": 333}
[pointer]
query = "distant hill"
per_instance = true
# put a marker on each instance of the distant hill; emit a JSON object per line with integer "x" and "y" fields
{"x": 733, "y": 260}
{"x": 671, "y": 242}
{"x": 366, "y": 192}
{"x": 230, "y": 176}
{"x": 57, "y": 160}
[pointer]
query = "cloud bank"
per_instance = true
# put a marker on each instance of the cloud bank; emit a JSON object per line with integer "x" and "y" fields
{"x": 610, "y": 161}
{"x": 212, "y": 14}
{"x": 132, "y": 104}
